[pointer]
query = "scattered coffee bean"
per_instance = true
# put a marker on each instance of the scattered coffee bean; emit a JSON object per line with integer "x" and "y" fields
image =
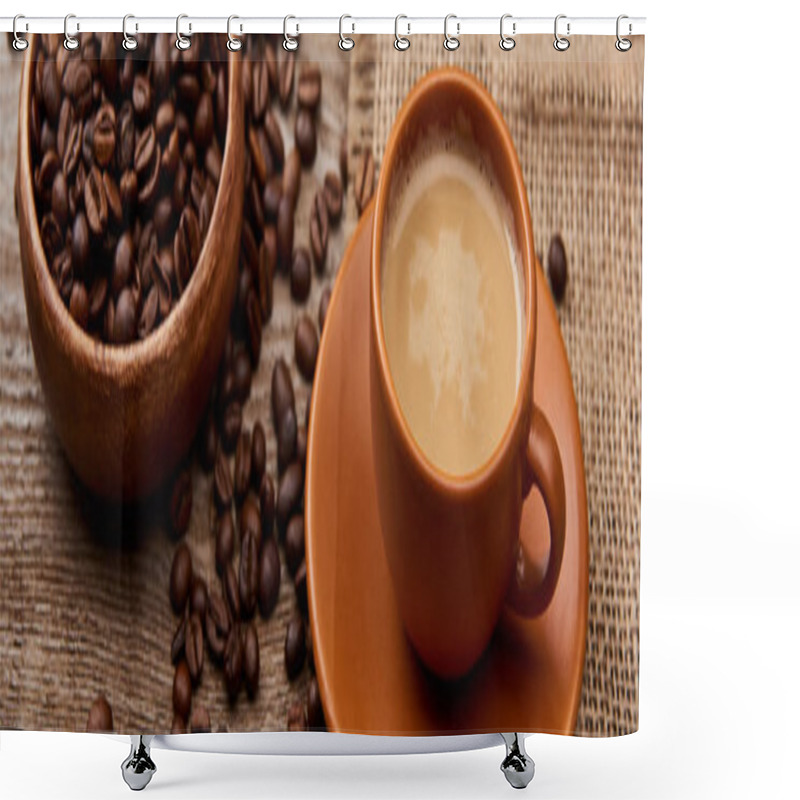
{"x": 557, "y": 267}
{"x": 290, "y": 495}
{"x": 232, "y": 666}
{"x": 301, "y": 274}
{"x": 282, "y": 392}
{"x": 242, "y": 466}
{"x": 295, "y": 545}
{"x": 230, "y": 583}
{"x": 198, "y": 598}
{"x": 287, "y": 438}
{"x": 343, "y": 161}
{"x": 218, "y": 625}
{"x": 223, "y": 484}
{"x": 305, "y": 136}
{"x": 178, "y": 647}
{"x": 248, "y": 574}
{"x": 285, "y": 231}
{"x": 291, "y": 176}
{"x": 201, "y": 722}
{"x": 226, "y": 540}
{"x": 324, "y": 302}
{"x": 100, "y": 720}
{"x": 231, "y": 426}
{"x": 269, "y": 577}
{"x": 306, "y": 345}
{"x": 258, "y": 462}
{"x": 182, "y": 690}
{"x": 194, "y": 647}
{"x": 309, "y": 85}
{"x": 364, "y": 181}
{"x": 250, "y": 517}
{"x": 180, "y": 578}
{"x": 318, "y": 230}
{"x": 295, "y": 647}
{"x": 180, "y": 507}
{"x": 251, "y": 660}
{"x": 266, "y": 497}
{"x": 334, "y": 196}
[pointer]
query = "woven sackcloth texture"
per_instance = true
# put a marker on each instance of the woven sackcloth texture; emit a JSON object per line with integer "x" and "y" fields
{"x": 576, "y": 122}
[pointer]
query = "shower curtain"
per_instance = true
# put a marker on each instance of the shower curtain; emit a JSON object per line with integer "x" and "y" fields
{"x": 251, "y": 482}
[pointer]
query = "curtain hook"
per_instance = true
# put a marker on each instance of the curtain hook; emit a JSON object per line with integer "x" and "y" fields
{"x": 401, "y": 43}
{"x": 289, "y": 42}
{"x": 560, "y": 43}
{"x": 345, "y": 42}
{"x": 128, "y": 42}
{"x": 70, "y": 42}
{"x": 234, "y": 42}
{"x": 451, "y": 42}
{"x": 19, "y": 43}
{"x": 182, "y": 42}
{"x": 623, "y": 45}
{"x": 507, "y": 42}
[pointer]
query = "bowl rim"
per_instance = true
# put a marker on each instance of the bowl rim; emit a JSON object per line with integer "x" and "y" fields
{"x": 113, "y": 359}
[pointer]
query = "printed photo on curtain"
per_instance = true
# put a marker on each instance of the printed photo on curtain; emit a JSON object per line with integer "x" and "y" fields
{"x": 320, "y": 385}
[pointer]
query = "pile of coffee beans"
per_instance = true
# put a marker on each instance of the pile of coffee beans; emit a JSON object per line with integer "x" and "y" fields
{"x": 126, "y": 153}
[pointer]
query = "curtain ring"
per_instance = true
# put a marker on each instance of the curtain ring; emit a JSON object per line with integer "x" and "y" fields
{"x": 289, "y": 42}
{"x": 345, "y": 42}
{"x": 401, "y": 43}
{"x": 70, "y": 42}
{"x": 182, "y": 42}
{"x": 19, "y": 43}
{"x": 507, "y": 42}
{"x": 128, "y": 42}
{"x": 234, "y": 42}
{"x": 451, "y": 42}
{"x": 623, "y": 45}
{"x": 560, "y": 43}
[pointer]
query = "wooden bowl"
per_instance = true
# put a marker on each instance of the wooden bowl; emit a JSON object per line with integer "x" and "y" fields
{"x": 126, "y": 415}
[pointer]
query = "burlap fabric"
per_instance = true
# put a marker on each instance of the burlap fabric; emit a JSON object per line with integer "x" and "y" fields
{"x": 83, "y": 613}
{"x": 576, "y": 121}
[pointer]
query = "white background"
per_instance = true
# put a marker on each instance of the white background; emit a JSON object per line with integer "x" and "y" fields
{"x": 720, "y": 604}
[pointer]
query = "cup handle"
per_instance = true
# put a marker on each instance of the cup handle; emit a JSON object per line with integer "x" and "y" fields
{"x": 531, "y": 592}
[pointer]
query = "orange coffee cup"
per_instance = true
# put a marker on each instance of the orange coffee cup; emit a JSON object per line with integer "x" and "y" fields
{"x": 452, "y": 542}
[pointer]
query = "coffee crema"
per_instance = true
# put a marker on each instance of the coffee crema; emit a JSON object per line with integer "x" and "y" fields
{"x": 452, "y": 309}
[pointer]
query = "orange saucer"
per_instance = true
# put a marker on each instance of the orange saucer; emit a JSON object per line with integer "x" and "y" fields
{"x": 370, "y": 679}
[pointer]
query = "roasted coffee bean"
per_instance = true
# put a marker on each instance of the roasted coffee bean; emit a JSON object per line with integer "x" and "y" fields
{"x": 285, "y": 77}
{"x": 557, "y": 267}
{"x": 182, "y": 690}
{"x": 295, "y": 647}
{"x": 343, "y": 161}
{"x": 334, "y": 196}
{"x": 225, "y": 542}
{"x": 301, "y": 274}
{"x": 287, "y": 438}
{"x": 266, "y": 498}
{"x": 324, "y": 302}
{"x": 59, "y": 199}
{"x": 180, "y": 578}
{"x": 180, "y": 507}
{"x": 218, "y": 625}
{"x": 275, "y": 139}
{"x": 71, "y": 155}
{"x": 251, "y": 660}
{"x": 79, "y": 304}
{"x": 296, "y": 717}
{"x": 97, "y": 298}
{"x": 291, "y": 176}
{"x": 230, "y": 583}
{"x": 124, "y": 328}
{"x": 105, "y": 134}
{"x": 95, "y": 202}
{"x": 223, "y": 484}
{"x": 260, "y": 155}
{"x": 165, "y": 120}
{"x": 301, "y": 588}
{"x": 295, "y": 544}
{"x": 248, "y": 574}
{"x": 231, "y": 426}
{"x": 242, "y": 376}
{"x": 163, "y": 219}
{"x": 113, "y": 200}
{"x": 187, "y": 247}
{"x": 267, "y": 258}
{"x": 142, "y": 96}
{"x": 146, "y": 163}
{"x": 269, "y": 577}
{"x": 232, "y": 667}
{"x": 258, "y": 463}
{"x": 123, "y": 265}
{"x": 282, "y": 392}
{"x": 306, "y": 345}
{"x": 250, "y": 517}
{"x": 198, "y": 598}
{"x": 148, "y": 319}
{"x": 204, "y": 120}
{"x": 51, "y": 91}
{"x": 364, "y": 181}
{"x": 271, "y": 198}
{"x": 126, "y": 136}
{"x": 285, "y": 230}
{"x": 209, "y": 443}
{"x": 80, "y": 244}
{"x": 254, "y": 325}
{"x": 62, "y": 272}
{"x": 318, "y": 233}
{"x": 259, "y": 90}
{"x": 290, "y": 495}
{"x": 305, "y": 136}
{"x": 178, "y": 647}
{"x": 309, "y": 85}
{"x": 314, "y": 714}
{"x": 178, "y": 724}
{"x": 100, "y": 719}
{"x": 195, "y": 648}
{"x": 201, "y": 722}
{"x": 242, "y": 466}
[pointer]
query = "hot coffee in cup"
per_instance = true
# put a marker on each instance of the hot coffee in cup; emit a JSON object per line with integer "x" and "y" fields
{"x": 457, "y": 441}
